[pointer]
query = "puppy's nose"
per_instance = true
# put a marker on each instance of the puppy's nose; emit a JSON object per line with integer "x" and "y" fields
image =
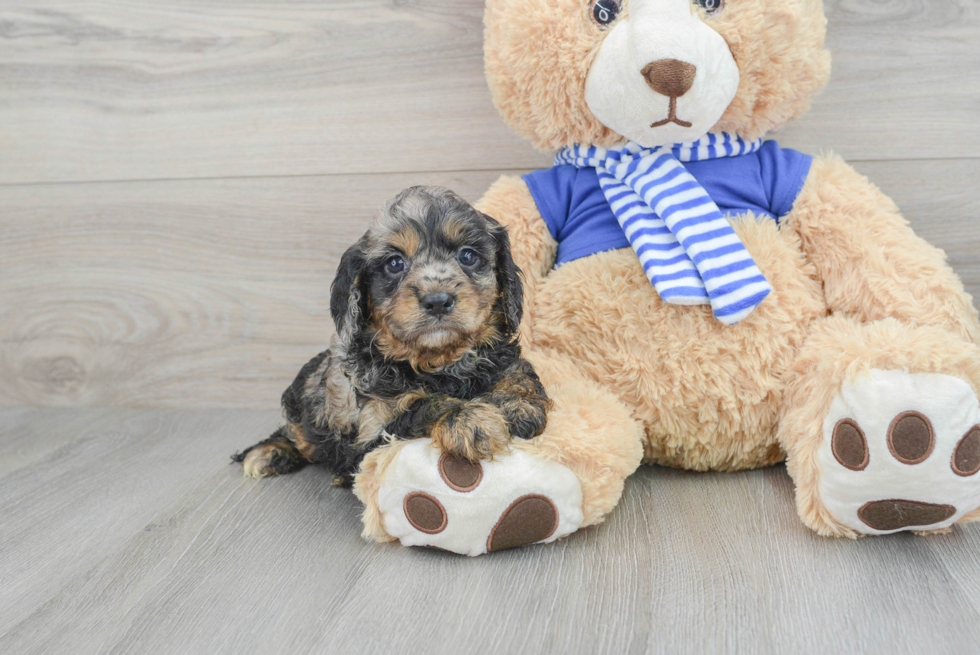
{"x": 669, "y": 77}
{"x": 437, "y": 304}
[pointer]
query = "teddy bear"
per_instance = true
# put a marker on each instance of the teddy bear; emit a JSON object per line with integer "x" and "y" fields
{"x": 697, "y": 296}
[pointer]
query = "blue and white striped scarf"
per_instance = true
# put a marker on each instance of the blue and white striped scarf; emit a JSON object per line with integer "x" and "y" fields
{"x": 689, "y": 251}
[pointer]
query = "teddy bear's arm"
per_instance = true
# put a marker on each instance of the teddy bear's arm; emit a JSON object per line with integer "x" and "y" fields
{"x": 534, "y": 249}
{"x": 872, "y": 265}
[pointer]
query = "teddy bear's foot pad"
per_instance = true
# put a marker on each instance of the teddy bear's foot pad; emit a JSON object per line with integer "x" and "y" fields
{"x": 901, "y": 452}
{"x": 429, "y": 498}
{"x": 898, "y": 514}
{"x": 529, "y": 519}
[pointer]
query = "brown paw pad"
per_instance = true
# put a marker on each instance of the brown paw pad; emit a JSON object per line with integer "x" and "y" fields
{"x": 849, "y": 446}
{"x": 911, "y": 438}
{"x": 898, "y": 514}
{"x": 966, "y": 457}
{"x": 529, "y": 519}
{"x": 425, "y": 513}
{"x": 460, "y": 474}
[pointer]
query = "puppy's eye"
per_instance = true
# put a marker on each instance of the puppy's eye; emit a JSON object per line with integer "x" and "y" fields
{"x": 468, "y": 257}
{"x": 710, "y": 6}
{"x": 603, "y": 12}
{"x": 394, "y": 265}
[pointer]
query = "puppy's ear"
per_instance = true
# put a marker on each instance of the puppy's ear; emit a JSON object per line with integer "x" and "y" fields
{"x": 348, "y": 302}
{"x": 509, "y": 287}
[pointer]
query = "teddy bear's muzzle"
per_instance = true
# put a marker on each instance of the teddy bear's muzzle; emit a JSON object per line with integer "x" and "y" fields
{"x": 661, "y": 75}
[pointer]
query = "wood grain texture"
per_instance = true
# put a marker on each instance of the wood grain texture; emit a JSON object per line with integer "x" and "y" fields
{"x": 150, "y": 89}
{"x": 112, "y": 472}
{"x": 904, "y": 84}
{"x": 687, "y": 563}
{"x": 250, "y": 142}
{"x": 191, "y": 293}
{"x": 28, "y": 437}
{"x": 212, "y": 293}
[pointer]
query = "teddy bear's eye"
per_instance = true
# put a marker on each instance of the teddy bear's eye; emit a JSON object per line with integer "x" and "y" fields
{"x": 605, "y": 11}
{"x": 710, "y": 6}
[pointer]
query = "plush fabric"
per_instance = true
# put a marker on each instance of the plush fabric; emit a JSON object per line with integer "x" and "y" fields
{"x": 474, "y": 513}
{"x": 669, "y": 102}
{"x": 841, "y": 350}
{"x": 872, "y": 263}
{"x": 570, "y": 201}
{"x": 688, "y": 250}
{"x": 866, "y": 326}
{"x": 777, "y": 44}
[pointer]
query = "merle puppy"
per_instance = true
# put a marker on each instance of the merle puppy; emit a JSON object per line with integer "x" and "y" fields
{"x": 426, "y": 305}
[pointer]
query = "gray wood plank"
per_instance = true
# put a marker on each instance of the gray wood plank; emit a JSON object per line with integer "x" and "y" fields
{"x": 68, "y": 510}
{"x": 895, "y": 89}
{"x": 964, "y": 571}
{"x": 195, "y": 293}
{"x": 687, "y": 563}
{"x": 28, "y": 436}
{"x": 154, "y": 89}
{"x": 149, "y": 89}
{"x": 212, "y": 293}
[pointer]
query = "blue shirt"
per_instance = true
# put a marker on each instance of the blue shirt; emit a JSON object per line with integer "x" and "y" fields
{"x": 573, "y": 206}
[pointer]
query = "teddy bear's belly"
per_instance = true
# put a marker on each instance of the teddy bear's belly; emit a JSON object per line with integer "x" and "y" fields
{"x": 708, "y": 394}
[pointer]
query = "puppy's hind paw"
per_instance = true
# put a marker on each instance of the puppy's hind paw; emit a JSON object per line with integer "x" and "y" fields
{"x": 269, "y": 459}
{"x": 257, "y": 463}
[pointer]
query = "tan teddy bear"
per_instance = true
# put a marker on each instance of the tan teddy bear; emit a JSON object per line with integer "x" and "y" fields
{"x": 696, "y": 297}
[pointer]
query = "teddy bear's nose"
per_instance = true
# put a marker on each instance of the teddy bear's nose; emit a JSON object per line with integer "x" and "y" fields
{"x": 669, "y": 77}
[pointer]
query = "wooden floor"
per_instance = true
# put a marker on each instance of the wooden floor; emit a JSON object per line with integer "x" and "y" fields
{"x": 178, "y": 179}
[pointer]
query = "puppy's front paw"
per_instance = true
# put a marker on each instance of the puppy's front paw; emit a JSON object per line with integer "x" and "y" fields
{"x": 472, "y": 432}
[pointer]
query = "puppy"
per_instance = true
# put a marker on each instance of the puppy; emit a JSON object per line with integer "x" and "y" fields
{"x": 426, "y": 306}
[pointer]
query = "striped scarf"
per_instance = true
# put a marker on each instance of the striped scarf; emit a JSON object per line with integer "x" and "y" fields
{"x": 688, "y": 250}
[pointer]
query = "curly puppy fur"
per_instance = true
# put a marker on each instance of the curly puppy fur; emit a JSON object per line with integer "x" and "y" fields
{"x": 427, "y": 306}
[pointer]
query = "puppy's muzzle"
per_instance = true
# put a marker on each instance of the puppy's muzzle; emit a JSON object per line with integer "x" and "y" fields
{"x": 437, "y": 304}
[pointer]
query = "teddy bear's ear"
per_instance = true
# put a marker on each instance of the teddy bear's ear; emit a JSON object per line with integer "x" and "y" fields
{"x": 542, "y": 101}
{"x": 348, "y": 302}
{"x": 510, "y": 301}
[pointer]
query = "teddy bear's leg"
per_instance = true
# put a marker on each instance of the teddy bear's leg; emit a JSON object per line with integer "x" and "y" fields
{"x": 509, "y": 201}
{"x": 881, "y": 427}
{"x": 568, "y": 477}
{"x": 870, "y": 262}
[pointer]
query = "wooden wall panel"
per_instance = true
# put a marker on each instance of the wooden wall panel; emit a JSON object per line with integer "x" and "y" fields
{"x": 212, "y": 293}
{"x": 165, "y": 89}
{"x": 182, "y": 293}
